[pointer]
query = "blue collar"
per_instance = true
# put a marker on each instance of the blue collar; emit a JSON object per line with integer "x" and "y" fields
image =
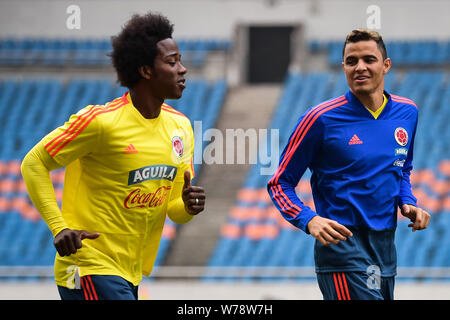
{"x": 354, "y": 101}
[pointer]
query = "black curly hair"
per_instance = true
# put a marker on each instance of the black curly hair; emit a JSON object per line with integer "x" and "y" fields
{"x": 135, "y": 45}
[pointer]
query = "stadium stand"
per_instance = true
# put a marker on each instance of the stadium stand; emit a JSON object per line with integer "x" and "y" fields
{"x": 89, "y": 52}
{"x": 417, "y": 53}
{"x": 255, "y": 235}
{"x": 24, "y": 237}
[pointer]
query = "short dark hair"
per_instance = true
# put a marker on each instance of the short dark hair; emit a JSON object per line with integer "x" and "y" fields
{"x": 135, "y": 45}
{"x": 365, "y": 35}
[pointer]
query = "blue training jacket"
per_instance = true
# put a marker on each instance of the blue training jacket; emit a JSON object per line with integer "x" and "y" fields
{"x": 360, "y": 167}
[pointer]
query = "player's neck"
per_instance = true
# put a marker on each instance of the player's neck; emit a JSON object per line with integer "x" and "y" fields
{"x": 145, "y": 102}
{"x": 371, "y": 101}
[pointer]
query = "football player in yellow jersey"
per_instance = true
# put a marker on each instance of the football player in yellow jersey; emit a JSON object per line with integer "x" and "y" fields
{"x": 128, "y": 165}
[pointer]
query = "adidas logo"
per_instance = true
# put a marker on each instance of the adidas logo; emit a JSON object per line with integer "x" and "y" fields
{"x": 130, "y": 149}
{"x": 355, "y": 140}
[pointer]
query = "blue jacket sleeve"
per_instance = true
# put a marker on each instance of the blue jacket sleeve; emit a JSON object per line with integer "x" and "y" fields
{"x": 406, "y": 196}
{"x": 297, "y": 156}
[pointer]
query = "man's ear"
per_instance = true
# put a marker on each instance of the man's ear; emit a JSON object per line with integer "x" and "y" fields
{"x": 145, "y": 72}
{"x": 387, "y": 65}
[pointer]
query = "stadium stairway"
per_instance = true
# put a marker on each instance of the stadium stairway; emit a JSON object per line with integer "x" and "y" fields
{"x": 248, "y": 107}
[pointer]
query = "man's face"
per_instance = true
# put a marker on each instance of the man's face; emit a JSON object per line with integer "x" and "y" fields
{"x": 167, "y": 78}
{"x": 364, "y": 67}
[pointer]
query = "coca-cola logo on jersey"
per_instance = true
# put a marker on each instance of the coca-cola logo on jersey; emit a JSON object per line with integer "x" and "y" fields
{"x": 140, "y": 199}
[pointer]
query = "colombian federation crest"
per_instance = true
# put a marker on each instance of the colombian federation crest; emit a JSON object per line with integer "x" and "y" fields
{"x": 177, "y": 146}
{"x": 401, "y": 136}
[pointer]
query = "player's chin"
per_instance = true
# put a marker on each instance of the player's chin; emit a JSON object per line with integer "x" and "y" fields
{"x": 362, "y": 89}
{"x": 176, "y": 94}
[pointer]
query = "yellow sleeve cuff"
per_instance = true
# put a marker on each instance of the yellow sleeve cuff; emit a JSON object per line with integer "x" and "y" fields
{"x": 177, "y": 213}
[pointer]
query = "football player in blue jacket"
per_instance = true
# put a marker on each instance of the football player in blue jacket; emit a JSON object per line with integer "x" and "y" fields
{"x": 359, "y": 148}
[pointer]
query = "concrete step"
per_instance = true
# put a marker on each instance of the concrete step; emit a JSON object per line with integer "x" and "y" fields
{"x": 245, "y": 107}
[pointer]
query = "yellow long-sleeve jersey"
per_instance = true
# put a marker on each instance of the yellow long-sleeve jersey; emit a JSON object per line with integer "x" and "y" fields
{"x": 124, "y": 173}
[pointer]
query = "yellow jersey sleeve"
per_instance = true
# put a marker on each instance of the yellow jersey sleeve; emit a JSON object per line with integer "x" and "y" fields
{"x": 186, "y": 160}
{"x": 35, "y": 170}
{"x": 176, "y": 211}
{"x": 76, "y": 138}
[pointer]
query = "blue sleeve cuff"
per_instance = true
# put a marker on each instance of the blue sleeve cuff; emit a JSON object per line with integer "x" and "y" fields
{"x": 302, "y": 219}
{"x": 411, "y": 200}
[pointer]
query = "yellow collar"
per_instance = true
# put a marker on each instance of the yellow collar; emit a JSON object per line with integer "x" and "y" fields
{"x": 375, "y": 114}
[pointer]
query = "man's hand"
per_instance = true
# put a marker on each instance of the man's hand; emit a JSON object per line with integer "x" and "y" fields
{"x": 328, "y": 231}
{"x": 68, "y": 241}
{"x": 193, "y": 197}
{"x": 419, "y": 217}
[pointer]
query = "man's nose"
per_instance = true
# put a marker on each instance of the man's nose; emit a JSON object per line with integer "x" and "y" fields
{"x": 183, "y": 69}
{"x": 361, "y": 66}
